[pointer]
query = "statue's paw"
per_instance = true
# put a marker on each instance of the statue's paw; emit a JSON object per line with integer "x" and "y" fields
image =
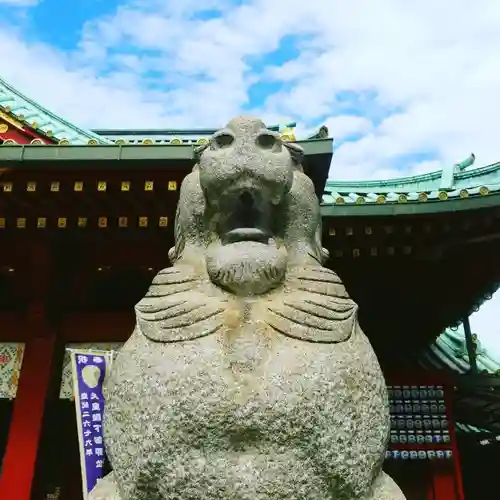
{"x": 385, "y": 488}
{"x": 105, "y": 489}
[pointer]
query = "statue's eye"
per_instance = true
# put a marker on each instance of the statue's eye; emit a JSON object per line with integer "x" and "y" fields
{"x": 266, "y": 141}
{"x": 224, "y": 140}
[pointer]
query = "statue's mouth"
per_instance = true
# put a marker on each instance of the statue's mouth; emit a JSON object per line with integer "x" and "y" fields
{"x": 247, "y": 234}
{"x": 247, "y": 216}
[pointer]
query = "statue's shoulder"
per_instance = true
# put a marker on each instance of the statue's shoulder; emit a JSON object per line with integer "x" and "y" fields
{"x": 178, "y": 307}
{"x": 314, "y": 306}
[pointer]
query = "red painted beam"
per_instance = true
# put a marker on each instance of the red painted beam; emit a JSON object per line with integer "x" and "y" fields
{"x": 20, "y": 134}
{"x": 22, "y": 445}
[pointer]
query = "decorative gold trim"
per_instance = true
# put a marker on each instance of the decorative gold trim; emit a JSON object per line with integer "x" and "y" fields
{"x": 163, "y": 221}
{"x": 423, "y": 197}
{"x": 464, "y": 193}
{"x": 125, "y": 186}
{"x": 120, "y": 142}
{"x": 201, "y": 141}
{"x": 147, "y": 142}
{"x": 149, "y": 186}
{"x": 41, "y": 222}
{"x": 175, "y": 141}
{"x": 64, "y": 142}
{"x": 7, "y": 187}
{"x": 484, "y": 191}
{"x": 332, "y": 231}
{"x": 381, "y": 199}
{"x": 31, "y": 187}
{"x": 78, "y": 186}
{"x": 21, "y": 222}
{"x": 360, "y": 200}
{"x": 62, "y": 222}
{"x": 55, "y": 186}
{"x": 37, "y": 142}
{"x": 143, "y": 222}
{"x": 12, "y": 121}
{"x": 82, "y": 222}
{"x": 402, "y": 198}
{"x": 9, "y": 142}
{"x": 3, "y": 128}
{"x": 92, "y": 142}
{"x": 102, "y": 222}
{"x": 172, "y": 185}
{"x": 443, "y": 195}
{"x": 340, "y": 200}
{"x": 102, "y": 186}
{"x": 122, "y": 221}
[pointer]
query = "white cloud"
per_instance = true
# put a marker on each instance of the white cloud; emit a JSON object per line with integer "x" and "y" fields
{"x": 424, "y": 76}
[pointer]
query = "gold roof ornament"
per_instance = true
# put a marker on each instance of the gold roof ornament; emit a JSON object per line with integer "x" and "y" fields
{"x": 287, "y": 131}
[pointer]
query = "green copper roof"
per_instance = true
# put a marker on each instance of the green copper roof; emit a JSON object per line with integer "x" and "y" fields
{"x": 35, "y": 116}
{"x": 450, "y": 183}
{"x": 450, "y": 350}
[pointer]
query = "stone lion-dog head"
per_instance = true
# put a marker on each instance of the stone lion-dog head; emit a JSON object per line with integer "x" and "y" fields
{"x": 247, "y": 212}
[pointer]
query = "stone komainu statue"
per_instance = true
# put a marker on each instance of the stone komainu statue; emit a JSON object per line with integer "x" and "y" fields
{"x": 247, "y": 376}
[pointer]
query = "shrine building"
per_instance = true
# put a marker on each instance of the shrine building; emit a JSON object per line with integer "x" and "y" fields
{"x": 86, "y": 220}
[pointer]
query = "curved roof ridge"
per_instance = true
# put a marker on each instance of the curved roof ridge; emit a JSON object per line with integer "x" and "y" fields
{"x": 386, "y": 182}
{"x": 479, "y": 171}
{"x": 421, "y": 182}
{"x": 19, "y": 104}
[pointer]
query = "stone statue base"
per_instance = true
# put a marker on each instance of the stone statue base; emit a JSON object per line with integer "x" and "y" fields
{"x": 384, "y": 488}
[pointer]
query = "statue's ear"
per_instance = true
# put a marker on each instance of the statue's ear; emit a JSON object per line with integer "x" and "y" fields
{"x": 296, "y": 151}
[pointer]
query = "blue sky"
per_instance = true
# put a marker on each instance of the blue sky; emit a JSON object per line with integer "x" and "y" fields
{"x": 404, "y": 87}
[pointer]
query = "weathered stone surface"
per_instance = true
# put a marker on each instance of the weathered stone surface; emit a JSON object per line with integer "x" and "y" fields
{"x": 247, "y": 375}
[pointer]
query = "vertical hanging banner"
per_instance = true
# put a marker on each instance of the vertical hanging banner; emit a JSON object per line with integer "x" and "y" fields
{"x": 89, "y": 372}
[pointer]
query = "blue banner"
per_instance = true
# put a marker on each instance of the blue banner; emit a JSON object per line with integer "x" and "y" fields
{"x": 89, "y": 372}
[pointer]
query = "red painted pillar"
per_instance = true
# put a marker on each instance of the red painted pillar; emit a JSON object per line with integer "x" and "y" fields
{"x": 18, "y": 469}
{"x": 22, "y": 445}
{"x": 444, "y": 483}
